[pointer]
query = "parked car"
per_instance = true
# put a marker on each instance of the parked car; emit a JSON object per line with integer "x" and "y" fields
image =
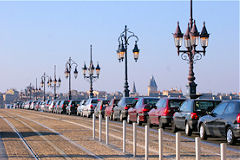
{"x": 139, "y": 112}
{"x": 37, "y": 105}
{"x": 79, "y": 109}
{"x": 120, "y": 111}
{"x": 52, "y": 106}
{"x": 42, "y": 106}
{"x": 62, "y": 107}
{"x": 100, "y": 108}
{"x": 89, "y": 106}
{"x": 27, "y": 105}
{"x": 162, "y": 113}
{"x": 72, "y": 107}
{"x": 223, "y": 121}
{"x": 189, "y": 113}
{"x": 46, "y": 107}
{"x": 58, "y": 102}
{"x": 110, "y": 107}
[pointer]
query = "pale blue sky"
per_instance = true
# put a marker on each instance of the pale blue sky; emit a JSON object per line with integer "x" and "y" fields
{"x": 36, "y": 35}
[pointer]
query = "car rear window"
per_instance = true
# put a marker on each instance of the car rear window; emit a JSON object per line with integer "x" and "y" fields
{"x": 175, "y": 103}
{"x": 130, "y": 100}
{"x": 116, "y": 101}
{"x": 205, "y": 105}
{"x": 152, "y": 101}
{"x": 105, "y": 102}
{"x": 95, "y": 101}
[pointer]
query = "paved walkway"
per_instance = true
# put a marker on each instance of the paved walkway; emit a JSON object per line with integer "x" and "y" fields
{"x": 3, "y": 155}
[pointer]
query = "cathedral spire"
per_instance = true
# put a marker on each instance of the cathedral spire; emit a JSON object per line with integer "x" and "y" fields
{"x": 134, "y": 88}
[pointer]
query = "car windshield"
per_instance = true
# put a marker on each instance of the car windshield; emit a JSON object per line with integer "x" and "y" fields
{"x": 151, "y": 101}
{"x": 175, "y": 103}
{"x": 204, "y": 106}
{"x": 116, "y": 101}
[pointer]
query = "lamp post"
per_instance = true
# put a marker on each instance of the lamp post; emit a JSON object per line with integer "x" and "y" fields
{"x": 30, "y": 88}
{"x": 91, "y": 75}
{"x": 43, "y": 85}
{"x": 36, "y": 90}
{"x": 191, "y": 54}
{"x": 123, "y": 42}
{"x": 54, "y": 83}
{"x": 68, "y": 67}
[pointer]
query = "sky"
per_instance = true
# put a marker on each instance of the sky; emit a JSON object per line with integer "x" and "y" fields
{"x": 35, "y": 36}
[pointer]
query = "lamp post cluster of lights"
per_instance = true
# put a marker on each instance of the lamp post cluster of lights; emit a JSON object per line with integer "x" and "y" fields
{"x": 43, "y": 84}
{"x": 91, "y": 69}
{"x": 36, "y": 90}
{"x": 191, "y": 54}
{"x": 68, "y": 68}
{"x": 54, "y": 83}
{"x": 123, "y": 42}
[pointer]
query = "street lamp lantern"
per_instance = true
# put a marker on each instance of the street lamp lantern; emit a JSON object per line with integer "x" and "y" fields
{"x": 178, "y": 36}
{"x": 91, "y": 77}
{"x": 187, "y": 40}
{"x": 191, "y": 54}
{"x": 59, "y": 81}
{"x": 123, "y": 42}
{"x": 204, "y": 37}
{"x": 194, "y": 35}
{"x": 98, "y": 70}
{"x": 68, "y": 67}
{"x": 84, "y": 69}
{"x": 75, "y": 73}
{"x": 136, "y": 51}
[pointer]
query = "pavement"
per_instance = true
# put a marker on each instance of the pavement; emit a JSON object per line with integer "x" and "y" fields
{"x": 54, "y": 136}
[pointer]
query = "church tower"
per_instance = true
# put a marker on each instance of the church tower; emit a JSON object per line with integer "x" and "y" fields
{"x": 152, "y": 87}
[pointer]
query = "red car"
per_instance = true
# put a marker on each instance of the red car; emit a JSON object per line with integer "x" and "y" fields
{"x": 163, "y": 112}
{"x": 109, "y": 108}
{"x": 139, "y": 112}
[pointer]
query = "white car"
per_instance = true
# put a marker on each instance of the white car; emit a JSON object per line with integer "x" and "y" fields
{"x": 51, "y": 106}
{"x": 79, "y": 109}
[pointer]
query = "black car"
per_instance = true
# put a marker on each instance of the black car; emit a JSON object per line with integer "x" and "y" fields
{"x": 72, "y": 107}
{"x": 62, "y": 107}
{"x": 223, "y": 121}
{"x": 186, "y": 118}
{"x": 121, "y": 110}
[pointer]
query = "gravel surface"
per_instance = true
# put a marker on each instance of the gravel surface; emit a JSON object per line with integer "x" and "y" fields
{"x": 79, "y": 130}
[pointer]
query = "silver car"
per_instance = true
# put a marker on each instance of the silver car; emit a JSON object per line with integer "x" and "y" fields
{"x": 89, "y": 106}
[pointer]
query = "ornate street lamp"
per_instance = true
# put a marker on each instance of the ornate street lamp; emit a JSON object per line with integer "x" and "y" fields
{"x": 123, "y": 42}
{"x": 36, "y": 90}
{"x": 91, "y": 69}
{"x": 68, "y": 67}
{"x": 54, "y": 83}
{"x": 191, "y": 54}
{"x": 43, "y": 84}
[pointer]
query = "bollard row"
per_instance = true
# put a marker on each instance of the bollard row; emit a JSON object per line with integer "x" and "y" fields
{"x": 223, "y": 146}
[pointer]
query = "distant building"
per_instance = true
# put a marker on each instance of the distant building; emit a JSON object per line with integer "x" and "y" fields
{"x": 134, "y": 91}
{"x": 10, "y": 96}
{"x": 174, "y": 92}
{"x": 153, "y": 88}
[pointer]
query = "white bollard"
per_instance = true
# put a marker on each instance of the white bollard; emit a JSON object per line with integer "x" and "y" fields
{"x": 223, "y": 151}
{"x": 178, "y": 145}
{"x": 146, "y": 141}
{"x": 93, "y": 116}
{"x": 134, "y": 140}
{"x": 100, "y": 128}
{"x": 160, "y": 144}
{"x": 124, "y": 136}
{"x": 197, "y": 148}
{"x": 106, "y": 130}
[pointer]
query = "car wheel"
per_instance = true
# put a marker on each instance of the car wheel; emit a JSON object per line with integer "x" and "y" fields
{"x": 121, "y": 117}
{"x": 202, "y": 132}
{"x": 230, "y": 136}
{"x": 88, "y": 116}
{"x": 128, "y": 120}
{"x": 138, "y": 121}
{"x": 149, "y": 122}
{"x": 174, "y": 127}
{"x": 161, "y": 125}
{"x": 188, "y": 130}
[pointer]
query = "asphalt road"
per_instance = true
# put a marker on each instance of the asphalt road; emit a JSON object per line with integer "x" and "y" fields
{"x": 26, "y": 134}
